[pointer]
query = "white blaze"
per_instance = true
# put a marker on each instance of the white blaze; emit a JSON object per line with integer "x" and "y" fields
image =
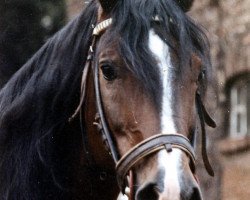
{"x": 169, "y": 161}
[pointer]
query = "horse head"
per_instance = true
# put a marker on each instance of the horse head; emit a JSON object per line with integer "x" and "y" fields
{"x": 150, "y": 65}
{"x": 141, "y": 107}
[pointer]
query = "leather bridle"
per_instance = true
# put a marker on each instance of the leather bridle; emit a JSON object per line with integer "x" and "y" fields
{"x": 146, "y": 147}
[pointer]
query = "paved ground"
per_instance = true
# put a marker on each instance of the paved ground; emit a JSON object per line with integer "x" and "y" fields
{"x": 236, "y": 180}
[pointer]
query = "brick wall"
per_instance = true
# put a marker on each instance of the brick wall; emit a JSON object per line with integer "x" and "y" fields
{"x": 235, "y": 33}
{"x": 228, "y": 26}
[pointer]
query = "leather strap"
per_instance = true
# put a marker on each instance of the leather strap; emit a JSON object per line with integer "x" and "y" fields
{"x": 204, "y": 118}
{"x": 79, "y": 109}
{"x": 83, "y": 83}
{"x": 103, "y": 126}
{"x": 149, "y": 146}
{"x": 131, "y": 185}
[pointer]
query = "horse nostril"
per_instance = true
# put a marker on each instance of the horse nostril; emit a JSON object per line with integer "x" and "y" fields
{"x": 147, "y": 192}
{"x": 194, "y": 194}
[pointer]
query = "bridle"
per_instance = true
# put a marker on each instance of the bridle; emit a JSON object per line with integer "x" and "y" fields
{"x": 152, "y": 144}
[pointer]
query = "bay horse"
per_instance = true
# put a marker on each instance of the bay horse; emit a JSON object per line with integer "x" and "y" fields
{"x": 140, "y": 69}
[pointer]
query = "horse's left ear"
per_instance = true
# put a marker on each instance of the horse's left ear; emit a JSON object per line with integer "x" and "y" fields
{"x": 185, "y": 4}
{"x": 107, "y": 5}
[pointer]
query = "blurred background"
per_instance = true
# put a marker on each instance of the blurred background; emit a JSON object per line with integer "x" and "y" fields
{"x": 26, "y": 24}
{"x": 24, "y": 27}
{"x": 227, "y": 23}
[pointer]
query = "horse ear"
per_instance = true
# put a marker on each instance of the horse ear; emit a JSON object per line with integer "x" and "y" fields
{"x": 185, "y": 4}
{"x": 107, "y": 5}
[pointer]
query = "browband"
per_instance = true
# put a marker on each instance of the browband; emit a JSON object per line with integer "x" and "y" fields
{"x": 102, "y": 26}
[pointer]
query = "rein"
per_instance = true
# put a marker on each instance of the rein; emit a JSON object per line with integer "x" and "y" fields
{"x": 152, "y": 144}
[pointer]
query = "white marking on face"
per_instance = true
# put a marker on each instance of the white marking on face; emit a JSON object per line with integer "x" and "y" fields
{"x": 169, "y": 161}
{"x": 162, "y": 54}
{"x": 171, "y": 164}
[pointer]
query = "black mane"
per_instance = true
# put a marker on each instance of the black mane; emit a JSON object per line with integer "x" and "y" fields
{"x": 132, "y": 21}
{"x": 36, "y": 142}
{"x": 34, "y": 109}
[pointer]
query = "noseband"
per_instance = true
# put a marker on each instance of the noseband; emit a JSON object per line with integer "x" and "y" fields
{"x": 149, "y": 146}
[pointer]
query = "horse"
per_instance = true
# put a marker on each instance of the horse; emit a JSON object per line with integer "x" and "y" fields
{"x": 112, "y": 102}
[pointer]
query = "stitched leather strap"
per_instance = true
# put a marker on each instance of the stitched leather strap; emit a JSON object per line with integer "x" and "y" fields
{"x": 149, "y": 146}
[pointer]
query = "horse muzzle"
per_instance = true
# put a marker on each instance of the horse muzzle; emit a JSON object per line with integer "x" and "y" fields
{"x": 154, "y": 188}
{"x": 151, "y": 191}
{"x": 148, "y": 182}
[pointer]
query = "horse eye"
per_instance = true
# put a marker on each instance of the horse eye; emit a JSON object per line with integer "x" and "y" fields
{"x": 109, "y": 72}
